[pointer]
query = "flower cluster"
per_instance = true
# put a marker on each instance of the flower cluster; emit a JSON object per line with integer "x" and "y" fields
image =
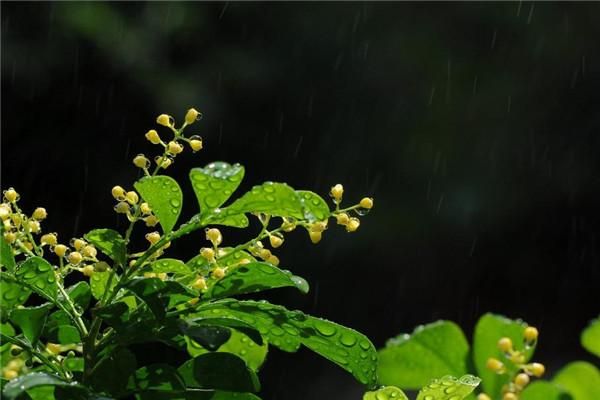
{"x": 515, "y": 361}
{"x": 19, "y": 228}
{"x": 128, "y": 203}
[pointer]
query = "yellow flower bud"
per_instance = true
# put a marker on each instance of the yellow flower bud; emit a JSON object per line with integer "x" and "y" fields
{"x": 10, "y": 237}
{"x": 530, "y": 334}
{"x": 522, "y": 380}
{"x": 89, "y": 251}
{"x": 118, "y": 193}
{"x": 342, "y": 219}
{"x": 53, "y": 348}
{"x": 265, "y": 254}
{"x": 353, "y": 225}
{"x": 39, "y": 213}
{"x": 145, "y": 208}
{"x": 288, "y": 225}
{"x": 4, "y": 211}
{"x": 152, "y": 136}
{"x": 367, "y": 203}
{"x": 165, "y": 120}
{"x": 509, "y": 396}
{"x": 122, "y": 207}
{"x": 494, "y": 365}
{"x": 174, "y": 147}
{"x": 34, "y": 226}
{"x": 11, "y": 195}
{"x": 60, "y": 250}
{"x": 49, "y": 239}
{"x": 273, "y": 260}
{"x": 337, "y": 192}
{"x": 214, "y": 235}
{"x": 537, "y": 369}
{"x": 9, "y": 374}
{"x": 315, "y": 237}
{"x": 218, "y": 273}
{"x": 163, "y": 162}
{"x": 517, "y": 357}
{"x": 151, "y": 220}
{"x": 75, "y": 257}
{"x": 132, "y": 197}
{"x": 88, "y": 270}
{"x": 208, "y": 254}
{"x": 162, "y": 276}
{"x": 17, "y": 219}
{"x": 200, "y": 284}
{"x": 78, "y": 243}
{"x": 483, "y": 396}
{"x": 191, "y": 116}
{"x": 195, "y": 143}
{"x": 275, "y": 241}
{"x": 141, "y": 161}
{"x": 153, "y": 237}
{"x": 505, "y": 344}
{"x": 318, "y": 226}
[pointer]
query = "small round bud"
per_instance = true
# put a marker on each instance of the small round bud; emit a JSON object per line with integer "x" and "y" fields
{"x": 118, "y": 193}
{"x": 149, "y": 274}
{"x": 505, "y": 344}
{"x": 192, "y": 116}
{"x": 288, "y": 225}
{"x": 53, "y": 348}
{"x": 17, "y": 219}
{"x": 162, "y": 276}
{"x": 319, "y": 226}
{"x": 195, "y": 143}
{"x": 145, "y": 208}
{"x": 218, "y": 273}
{"x": 517, "y": 357}
{"x": 88, "y": 270}
{"x": 353, "y": 225}
{"x": 141, "y": 161}
{"x": 39, "y": 213}
{"x": 11, "y": 195}
{"x": 101, "y": 266}
{"x": 4, "y": 211}
{"x": 483, "y": 396}
{"x": 151, "y": 220}
{"x": 49, "y": 239}
{"x": 273, "y": 260}
{"x": 521, "y": 380}
{"x": 265, "y": 254}
{"x": 337, "y": 192}
{"x": 200, "y": 284}
{"x": 34, "y": 226}
{"x": 152, "y": 136}
{"x": 122, "y": 207}
{"x": 367, "y": 203}
{"x": 174, "y": 147}
{"x": 10, "y": 237}
{"x": 153, "y": 237}
{"x": 208, "y": 254}
{"x": 509, "y": 396}
{"x": 214, "y": 235}
{"x": 494, "y": 365}
{"x": 537, "y": 369}
{"x": 165, "y": 120}
{"x": 9, "y": 374}
{"x": 163, "y": 162}
{"x": 60, "y": 250}
{"x": 342, "y": 219}
{"x": 75, "y": 257}
{"x": 315, "y": 237}
{"x": 132, "y": 197}
{"x": 89, "y": 251}
{"x": 530, "y": 334}
{"x": 276, "y": 241}
{"x": 78, "y": 243}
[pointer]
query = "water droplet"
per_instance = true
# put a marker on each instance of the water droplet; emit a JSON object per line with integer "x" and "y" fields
{"x": 361, "y": 211}
{"x": 325, "y": 328}
{"x": 277, "y": 331}
{"x": 450, "y": 390}
{"x": 364, "y": 345}
{"x": 300, "y": 283}
{"x": 348, "y": 339}
{"x": 175, "y": 203}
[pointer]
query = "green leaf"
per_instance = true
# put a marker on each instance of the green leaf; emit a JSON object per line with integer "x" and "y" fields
{"x": 7, "y": 258}
{"x": 115, "y": 314}
{"x": 590, "y": 337}
{"x": 170, "y": 265}
{"x": 449, "y": 388}
{"x": 222, "y": 371}
{"x": 112, "y": 372}
{"x": 31, "y": 320}
{"x": 99, "y": 282}
{"x": 491, "y": 328}
{"x": 385, "y": 393}
{"x": 239, "y": 344}
{"x": 234, "y": 323}
{"x": 13, "y": 294}
{"x": 542, "y": 390}
{"x": 252, "y": 278}
{"x": 149, "y": 291}
{"x": 16, "y": 387}
{"x": 215, "y": 183}
{"x": 313, "y": 206}
{"x": 155, "y": 377}
{"x": 39, "y": 275}
{"x": 436, "y": 349}
{"x": 80, "y": 293}
{"x": 67, "y": 334}
{"x": 110, "y": 242}
{"x": 164, "y": 196}
{"x": 287, "y": 330}
{"x": 210, "y": 337}
{"x": 581, "y": 379}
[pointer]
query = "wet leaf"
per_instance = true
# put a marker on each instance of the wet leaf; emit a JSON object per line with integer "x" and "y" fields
{"x": 215, "y": 183}
{"x": 16, "y": 387}
{"x": 13, "y": 293}
{"x": 449, "y": 388}
{"x": 385, "y": 393}
{"x": 31, "y": 321}
{"x": 38, "y": 274}
{"x": 542, "y": 390}
{"x": 210, "y": 337}
{"x": 436, "y": 349}
{"x": 109, "y": 242}
{"x": 99, "y": 282}
{"x": 222, "y": 371}
{"x": 80, "y": 293}
{"x": 590, "y": 337}
{"x": 313, "y": 206}
{"x": 581, "y": 379}
{"x": 170, "y": 265}
{"x": 164, "y": 196}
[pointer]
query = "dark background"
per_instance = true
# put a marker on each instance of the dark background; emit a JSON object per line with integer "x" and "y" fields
{"x": 475, "y": 127}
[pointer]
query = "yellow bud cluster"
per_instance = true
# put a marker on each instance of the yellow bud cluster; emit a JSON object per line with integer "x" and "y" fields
{"x": 214, "y": 236}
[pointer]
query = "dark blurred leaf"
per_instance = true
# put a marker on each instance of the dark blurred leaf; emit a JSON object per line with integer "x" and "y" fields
{"x": 13, "y": 389}
{"x": 112, "y": 372}
{"x": 223, "y": 371}
{"x": 31, "y": 320}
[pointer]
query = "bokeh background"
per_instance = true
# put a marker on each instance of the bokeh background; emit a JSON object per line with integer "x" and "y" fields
{"x": 474, "y": 125}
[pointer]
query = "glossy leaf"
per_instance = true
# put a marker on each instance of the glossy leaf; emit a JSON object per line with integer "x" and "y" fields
{"x": 7, "y": 258}
{"x": 170, "y": 265}
{"x": 590, "y": 337}
{"x": 489, "y": 329}
{"x": 80, "y": 293}
{"x": 210, "y": 337}
{"x": 67, "y": 334}
{"x": 449, "y": 388}
{"x": 112, "y": 372}
{"x": 31, "y": 320}
{"x": 164, "y": 196}
{"x": 436, "y": 349}
{"x": 239, "y": 344}
{"x": 13, "y": 294}
{"x": 254, "y": 277}
{"x": 99, "y": 282}
{"x": 234, "y": 323}
{"x": 215, "y": 183}
{"x": 287, "y": 330}
{"x": 313, "y": 206}
{"x": 109, "y": 242}
{"x": 385, "y": 393}
{"x": 38, "y": 274}
{"x": 222, "y": 371}
{"x": 542, "y": 390}
{"x": 581, "y": 379}
{"x": 13, "y": 389}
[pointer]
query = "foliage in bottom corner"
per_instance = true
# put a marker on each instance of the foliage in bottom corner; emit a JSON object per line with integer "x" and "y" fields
{"x": 500, "y": 355}
{"x": 76, "y": 342}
